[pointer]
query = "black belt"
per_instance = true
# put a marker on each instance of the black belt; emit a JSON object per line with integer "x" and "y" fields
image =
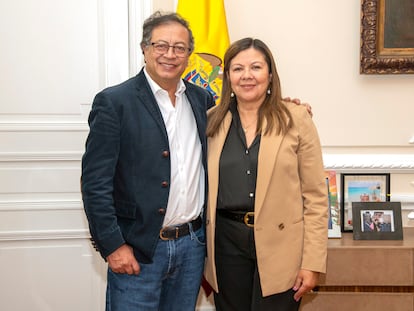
{"x": 175, "y": 232}
{"x": 245, "y": 217}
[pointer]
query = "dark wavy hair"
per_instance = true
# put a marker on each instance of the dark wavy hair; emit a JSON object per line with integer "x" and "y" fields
{"x": 272, "y": 109}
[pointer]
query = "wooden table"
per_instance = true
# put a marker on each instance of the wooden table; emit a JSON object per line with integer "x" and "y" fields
{"x": 366, "y": 275}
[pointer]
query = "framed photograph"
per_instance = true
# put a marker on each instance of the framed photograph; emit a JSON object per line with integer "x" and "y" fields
{"x": 377, "y": 221}
{"x": 387, "y": 37}
{"x": 334, "y": 225}
{"x": 361, "y": 188}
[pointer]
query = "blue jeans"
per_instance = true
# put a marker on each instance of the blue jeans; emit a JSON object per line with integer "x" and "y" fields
{"x": 171, "y": 282}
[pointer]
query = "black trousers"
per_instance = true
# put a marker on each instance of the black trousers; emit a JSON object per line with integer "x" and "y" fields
{"x": 237, "y": 273}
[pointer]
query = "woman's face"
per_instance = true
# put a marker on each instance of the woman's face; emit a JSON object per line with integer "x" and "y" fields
{"x": 249, "y": 76}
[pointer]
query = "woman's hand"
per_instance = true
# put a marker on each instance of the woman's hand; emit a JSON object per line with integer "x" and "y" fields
{"x": 306, "y": 280}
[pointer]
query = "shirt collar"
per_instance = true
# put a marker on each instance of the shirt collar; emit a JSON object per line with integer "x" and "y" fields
{"x": 156, "y": 88}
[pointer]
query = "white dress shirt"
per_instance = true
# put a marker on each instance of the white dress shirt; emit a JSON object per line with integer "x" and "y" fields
{"x": 187, "y": 184}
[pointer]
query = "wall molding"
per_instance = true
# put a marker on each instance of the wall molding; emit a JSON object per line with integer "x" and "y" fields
{"x": 407, "y": 200}
{"x": 43, "y": 126}
{"x": 54, "y": 156}
{"x": 32, "y": 235}
{"x": 393, "y": 163}
{"x": 40, "y": 205}
{"x": 138, "y": 11}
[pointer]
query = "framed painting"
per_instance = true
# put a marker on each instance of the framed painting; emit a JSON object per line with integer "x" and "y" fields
{"x": 361, "y": 188}
{"x": 387, "y": 37}
{"x": 377, "y": 221}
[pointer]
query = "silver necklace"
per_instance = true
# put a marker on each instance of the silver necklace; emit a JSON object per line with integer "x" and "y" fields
{"x": 246, "y": 128}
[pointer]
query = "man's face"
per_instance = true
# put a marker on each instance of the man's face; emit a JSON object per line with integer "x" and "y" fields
{"x": 166, "y": 68}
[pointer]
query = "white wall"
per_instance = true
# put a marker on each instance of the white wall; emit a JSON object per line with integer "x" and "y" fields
{"x": 316, "y": 45}
{"x": 55, "y": 55}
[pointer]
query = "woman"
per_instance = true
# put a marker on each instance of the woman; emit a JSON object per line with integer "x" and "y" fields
{"x": 267, "y": 210}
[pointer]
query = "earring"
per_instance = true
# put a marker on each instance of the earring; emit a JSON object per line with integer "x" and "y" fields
{"x": 268, "y": 91}
{"x": 231, "y": 94}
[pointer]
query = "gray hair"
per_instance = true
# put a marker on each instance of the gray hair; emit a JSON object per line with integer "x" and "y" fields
{"x": 158, "y": 19}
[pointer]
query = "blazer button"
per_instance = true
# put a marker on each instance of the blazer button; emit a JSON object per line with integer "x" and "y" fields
{"x": 281, "y": 226}
{"x": 161, "y": 211}
{"x": 164, "y": 184}
{"x": 165, "y": 153}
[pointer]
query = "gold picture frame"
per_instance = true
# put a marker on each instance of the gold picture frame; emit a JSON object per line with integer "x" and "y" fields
{"x": 387, "y": 37}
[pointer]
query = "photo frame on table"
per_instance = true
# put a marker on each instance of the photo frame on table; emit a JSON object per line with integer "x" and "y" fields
{"x": 387, "y": 40}
{"x": 334, "y": 225}
{"x": 368, "y": 187}
{"x": 377, "y": 221}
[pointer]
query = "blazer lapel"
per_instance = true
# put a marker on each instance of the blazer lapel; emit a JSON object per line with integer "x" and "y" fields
{"x": 146, "y": 98}
{"x": 215, "y": 147}
{"x": 269, "y": 147}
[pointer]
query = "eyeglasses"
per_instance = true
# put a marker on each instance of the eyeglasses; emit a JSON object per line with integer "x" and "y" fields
{"x": 162, "y": 48}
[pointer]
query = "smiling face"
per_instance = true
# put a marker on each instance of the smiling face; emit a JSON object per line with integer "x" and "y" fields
{"x": 166, "y": 68}
{"x": 249, "y": 76}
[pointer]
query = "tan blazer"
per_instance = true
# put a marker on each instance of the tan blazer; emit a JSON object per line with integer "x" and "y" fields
{"x": 291, "y": 204}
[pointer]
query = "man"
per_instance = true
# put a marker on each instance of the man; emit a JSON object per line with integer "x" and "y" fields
{"x": 144, "y": 176}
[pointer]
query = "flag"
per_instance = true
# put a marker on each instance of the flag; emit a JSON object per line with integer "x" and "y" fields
{"x": 207, "y": 19}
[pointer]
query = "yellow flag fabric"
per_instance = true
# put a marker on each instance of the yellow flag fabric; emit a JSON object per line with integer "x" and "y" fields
{"x": 208, "y": 23}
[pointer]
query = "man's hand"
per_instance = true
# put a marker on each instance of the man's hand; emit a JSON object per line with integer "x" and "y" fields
{"x": 297, "y": 102}
{"x": 306, "y": 280}
{"x": 122, "y": 260}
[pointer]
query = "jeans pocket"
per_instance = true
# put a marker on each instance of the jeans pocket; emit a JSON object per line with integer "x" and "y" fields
{"x": 199, "y": 236}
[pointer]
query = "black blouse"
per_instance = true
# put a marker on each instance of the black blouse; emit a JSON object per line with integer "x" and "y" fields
{"x": 238, "y": 169}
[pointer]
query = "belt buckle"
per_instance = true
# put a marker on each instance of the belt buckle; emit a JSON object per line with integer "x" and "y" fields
{"x": 169, "y": 228}
{"x": 246, "y": 219}
{"x": 161, "y": 234}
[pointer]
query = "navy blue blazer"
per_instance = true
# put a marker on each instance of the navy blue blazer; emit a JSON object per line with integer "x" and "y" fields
{"x": 126, "y": 165}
